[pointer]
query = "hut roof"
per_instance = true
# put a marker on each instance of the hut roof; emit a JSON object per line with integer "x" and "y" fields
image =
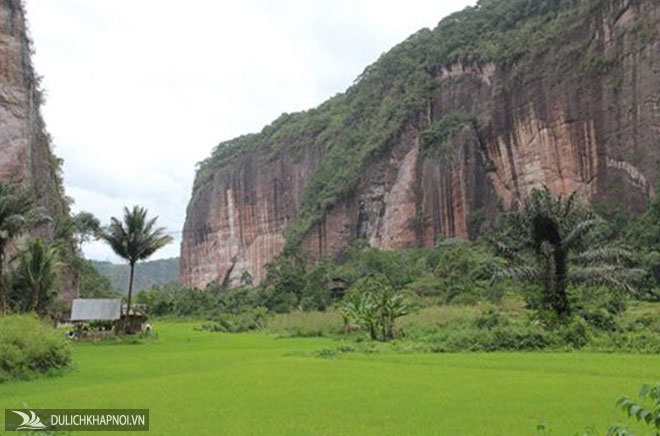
{"x": 90, "y": 309}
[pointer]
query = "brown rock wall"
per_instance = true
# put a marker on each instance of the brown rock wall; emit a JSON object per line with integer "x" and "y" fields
{"x": 564, "y": 126}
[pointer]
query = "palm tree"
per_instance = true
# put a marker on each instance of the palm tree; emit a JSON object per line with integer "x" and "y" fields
{"x": 552, "y": 242}
{"x": 134, "y": 239}
{"x": 36, "y": 275}
{"x": 17, "y": 212}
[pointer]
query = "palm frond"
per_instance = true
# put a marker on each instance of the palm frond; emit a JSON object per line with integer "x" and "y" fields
{"x": 604, "y": 254}
{"x": 580, "y": 229}
{"x": 609, "y": 275}
{"x": 504, "y": 250}
{"x": 17, "y": 210}
{"x": 135, "y": 238}
{"x": 528, "y": 273}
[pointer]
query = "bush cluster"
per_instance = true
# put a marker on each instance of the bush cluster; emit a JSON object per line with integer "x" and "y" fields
{"x": 252, "y": 319}
{"x": 453, "y": 272}
{"x": 29, "y": 347}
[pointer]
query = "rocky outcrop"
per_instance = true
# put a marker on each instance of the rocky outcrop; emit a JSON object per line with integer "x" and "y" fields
{"x": 25, "y": 152}
{"x": 236, "y": 221}
{"x": 585, "y": 120}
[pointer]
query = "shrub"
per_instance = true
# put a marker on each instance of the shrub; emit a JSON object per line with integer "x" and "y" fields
{"x": 520, "y": 338}
{"x": 29, "y": 347}
{"x": 500, "y": 338}
{"x": 253, "y": 319}
{"x": 427, "y": 285}
{"x": 489, "y": 319}
{"x": 575, "y": 333}
{"x": 634, "y": 342}
{"x": 601, "y": 319}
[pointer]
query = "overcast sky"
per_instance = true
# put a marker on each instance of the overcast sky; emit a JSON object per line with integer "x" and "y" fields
{"x": 138, "y": 91}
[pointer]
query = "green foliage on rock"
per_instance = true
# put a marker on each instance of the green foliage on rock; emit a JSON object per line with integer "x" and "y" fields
{"x": 436, "y": 134}
{"x": 596, "y": 64}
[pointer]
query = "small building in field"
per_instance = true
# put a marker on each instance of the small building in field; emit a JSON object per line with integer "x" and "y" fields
{"x": 96, "y": 309}
{"x": 110, "y": 310}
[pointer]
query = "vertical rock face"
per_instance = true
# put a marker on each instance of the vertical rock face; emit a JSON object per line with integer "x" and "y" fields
{"x": 236, "y": 221}
{"x": 591, "y": 125}
{"x": 25, "y": 153}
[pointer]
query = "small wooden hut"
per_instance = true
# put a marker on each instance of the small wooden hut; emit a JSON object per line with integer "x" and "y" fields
{"x": 86, "y": 311}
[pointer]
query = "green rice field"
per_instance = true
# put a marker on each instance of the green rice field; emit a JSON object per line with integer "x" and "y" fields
{"x": 202, "y": 383}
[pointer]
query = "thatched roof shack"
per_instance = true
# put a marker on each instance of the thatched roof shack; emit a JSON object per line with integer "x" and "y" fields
{"x": 96, "y": 309}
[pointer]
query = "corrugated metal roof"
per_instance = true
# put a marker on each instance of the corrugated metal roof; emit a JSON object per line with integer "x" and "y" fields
{"x": 89, "y": 309}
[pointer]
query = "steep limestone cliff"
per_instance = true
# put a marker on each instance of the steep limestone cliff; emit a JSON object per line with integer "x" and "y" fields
{"x": 438, "y": 135}
{"x": 25, "y": 152}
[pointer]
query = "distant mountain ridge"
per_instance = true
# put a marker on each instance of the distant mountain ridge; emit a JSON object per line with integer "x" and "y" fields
{"x": 147, "y": 274}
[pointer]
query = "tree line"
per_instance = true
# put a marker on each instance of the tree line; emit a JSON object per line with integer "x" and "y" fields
{"x": 30, "y": 267}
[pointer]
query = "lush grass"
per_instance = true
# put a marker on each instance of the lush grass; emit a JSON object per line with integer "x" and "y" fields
{"x": 307, "y": 323}
{"x": 329, "y": 323}
{"x": 29, "y": 347}
{"x": 202, "y": 383}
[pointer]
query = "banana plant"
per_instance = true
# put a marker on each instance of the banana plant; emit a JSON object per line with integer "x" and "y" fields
{"x": 374, "y": 306}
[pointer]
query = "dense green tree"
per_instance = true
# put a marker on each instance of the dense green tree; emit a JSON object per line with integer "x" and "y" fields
{"x": 551, "y": 242}
{"x": 35, "y": 278}
{"x": 644, "y": 233}
{"x": 134, "y": 238}
{"x": 463, "y": 269}
{"x": 646, "y": 230}
{"x": 316, "y": 293}
{"x": 400, "y": 267}
{"x": 78, "y": 228}
{"x": 17, "y": 212}
{"x": 71, "y": 231}
{"x": 285, "y": 281}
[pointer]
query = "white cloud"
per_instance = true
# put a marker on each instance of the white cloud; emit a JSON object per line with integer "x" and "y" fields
{"x": 139, "y": 91}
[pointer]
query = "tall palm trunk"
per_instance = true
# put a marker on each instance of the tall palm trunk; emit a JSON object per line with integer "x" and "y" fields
{"x": 560, "y": 300}
{"x": 130, "y": 292}
{"x": 35, "y": 299}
